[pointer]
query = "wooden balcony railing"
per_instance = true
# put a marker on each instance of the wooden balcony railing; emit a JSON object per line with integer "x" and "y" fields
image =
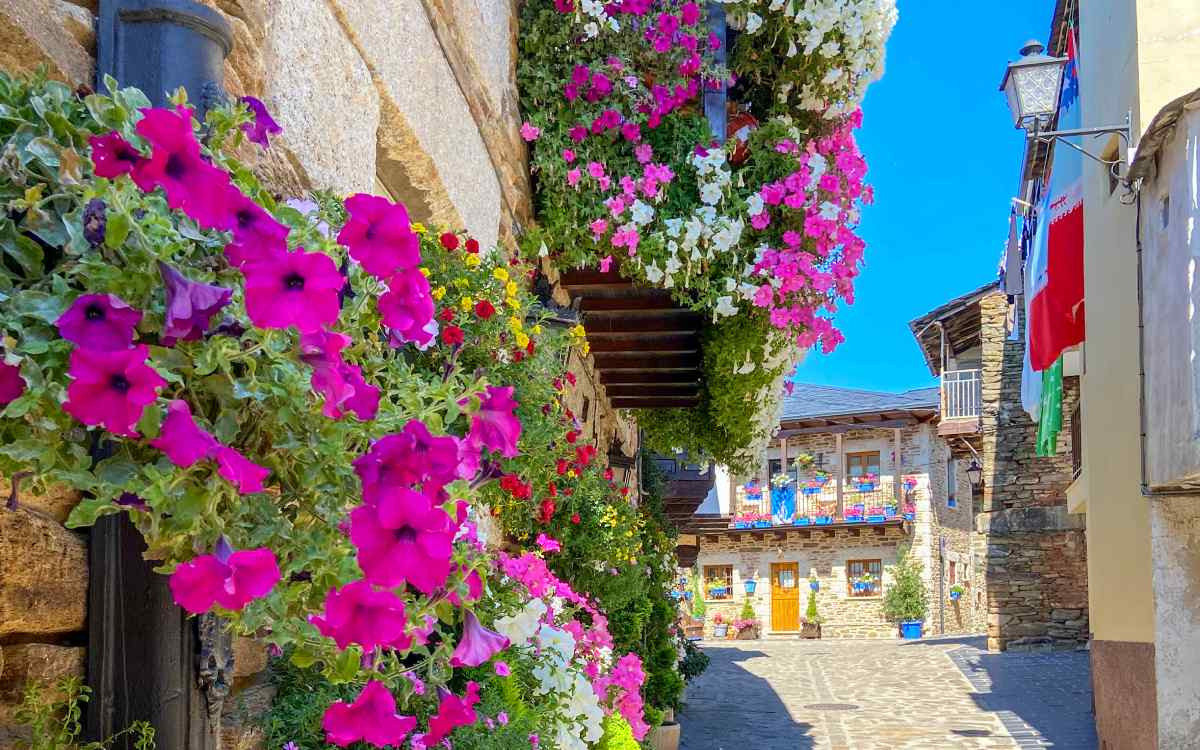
{"x": 962, "y": 394}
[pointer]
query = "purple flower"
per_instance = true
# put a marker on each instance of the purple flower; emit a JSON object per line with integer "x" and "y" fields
{"x": 406, "y": 537}
{"x": 478, "y": 644}
{"x": 190, "y": 305}
{"x": 293, "y": 289}
{"x": 111, "y": 388}
{"x": 502, "y": 669}
{"x": 232, "y": 580}
{"x": 494, "y": 425}
{"x": 371, "y": 718}
{"x": 181, "y": 438}
{"x": 130, "y": 500}
{"x": 409, "y": 457}
{"x": 112, "y": 155}
{"x": 95, "y": 222}
{"x": 341, "y": 384}
{"x": 262, "y": 125}
{"x": 357, "y": 613}
{"x": 243, "y": 473}
{"x": 103, "y": 322}
{"x": 256, "y": 233}
{"x": 380, "y": 236}
{"x": 12, "y": 385}
{"x": 191, "y": 184}
{"x": 407, "y": 307}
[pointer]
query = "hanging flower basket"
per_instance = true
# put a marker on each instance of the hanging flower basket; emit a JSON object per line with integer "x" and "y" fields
{"x": 814, "y": 585}
{"x": 910, "y": 484}
{"x": 751, "y": 585}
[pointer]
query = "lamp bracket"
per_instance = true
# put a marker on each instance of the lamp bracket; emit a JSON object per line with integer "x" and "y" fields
{"x": 1113, "y": 165}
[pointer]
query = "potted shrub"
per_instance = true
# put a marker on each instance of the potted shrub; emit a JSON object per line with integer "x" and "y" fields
{"x": 956, "y": 592}
{"x": 810, "y": 624}
{"x": 747, "y": 624}
{"x": 906, "y": 600}
{"x": 720, "y": 628}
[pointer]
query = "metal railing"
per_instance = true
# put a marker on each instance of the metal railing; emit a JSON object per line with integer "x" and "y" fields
{"x": 818, "y": 505}
{"x": 962, "y": 394}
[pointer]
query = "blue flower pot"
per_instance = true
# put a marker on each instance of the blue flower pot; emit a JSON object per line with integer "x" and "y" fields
{"x": 876, "y": 519}
{"x": 853, "y": 519}
{"x": 687, "y": 595}
{"x": 824, "y": 520}
{"x": 910, "y": 629}
{"x": 762, "y": 524}
{"x": 741, "y": 524}
{"x": 751, "y": 585}
{"x": 717, "y": 593}
{"x": 866, "y": 487}
{"x": 954, "y": 595}
{"x": 814, "y": 585}
{"x": 676, "y": 595}
{"x": 910, "y": 516}
{"x": 802, "y": 521}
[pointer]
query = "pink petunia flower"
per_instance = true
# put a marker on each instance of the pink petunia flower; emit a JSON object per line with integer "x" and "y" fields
{"x": 256, "y": 234}
{"x": 548, "y": 544}
{"x": 473, "y": 582}
{"x": 380, "y": 236}
{"x": 502, "y": 669}
{"x": 405, "y": 537}
{"x": 111, "y": 388}
{"x": 598, "y": 227}
{"x": 357, "y": 613}
{"x": 573, "y": 176}
{"x": 409, "y": 457}
{"x": 453, "y": 712}
{"x": 568, "y": 155}
{"x": 191, "y": 305}
{"x": 297, "y": 289}
{"x": 495, "y": 426}
{"x": 644, "y": 153}
{"x": 760, "y": 221}
{"x": 606, "y": 263}
{"x": 371, "y": 718}
{"x": 191, "y": 184}
{"x": 341, "y": 384}
{"x": 243, "y": 473}
{"x": 478, "y": 644}
{"x": 103, "y": 322}
{"x": 407, "y": 307}
{"x": 231, "y": 580}
{"x": 530, "y": 132}
{"x": 690, "y": 12}
{"x": 181, "y": 438}
{"x": 112, "y": 155}
{"x": 12, "y": 385}
{"x": 578, "y": 133}
{"x": 262, "y": 126}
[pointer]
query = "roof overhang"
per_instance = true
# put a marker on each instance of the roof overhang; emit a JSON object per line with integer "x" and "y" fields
{"x": 866, "y": 420}
{"x": 959, "y": 319}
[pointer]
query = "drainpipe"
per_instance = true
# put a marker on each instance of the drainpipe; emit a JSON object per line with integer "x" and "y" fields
{"x": 147, "y": 660}
{"x": 715, "y": 99}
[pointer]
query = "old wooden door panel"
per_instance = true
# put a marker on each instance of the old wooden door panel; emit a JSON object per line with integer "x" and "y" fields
{"x": 785, "y": 596}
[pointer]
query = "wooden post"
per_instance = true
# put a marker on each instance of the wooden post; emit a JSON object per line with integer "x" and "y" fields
{"x": 896, "y": 468}
{"x": 147, "y": 660}
{"x": 841, "y": 473}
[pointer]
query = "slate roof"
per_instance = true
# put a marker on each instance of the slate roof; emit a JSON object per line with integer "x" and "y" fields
{"x": 809, "y": 401}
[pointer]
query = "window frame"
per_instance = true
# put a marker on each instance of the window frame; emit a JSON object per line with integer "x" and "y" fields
{"x": 868, "y": 565}
{"x": 728, "y": 576}
{"x": 865, "y": 466}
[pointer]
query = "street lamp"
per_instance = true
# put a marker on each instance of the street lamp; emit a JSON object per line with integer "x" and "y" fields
{"x": 975, "y": 475}
{"x": 1033, "y": 85}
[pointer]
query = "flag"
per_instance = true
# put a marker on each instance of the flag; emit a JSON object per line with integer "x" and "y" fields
{"x": 1050, "y": 418}
{"x": 1056, "y": 318}
{"x": 1033, "y": 242}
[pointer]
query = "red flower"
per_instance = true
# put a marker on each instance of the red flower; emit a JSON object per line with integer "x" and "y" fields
{"x": 548, "y": 508}
{"x": 529, "y": 348}
{"x": 572, "y": 436}
{"x": 608, "y": 473}
{"x": 452, "y": 335}
{"x": 552, "y": 488}
{"x": 518, "y": 355}
{"x": 447, "y": 314}
{"x": 575, "y": 518}
{"x": 584, "y": 454}
{"x": 472, "y": 245}
{"x": 625, "y": 491}
{"x": 570, "y": 377}
{"x": 484, "y": 309}
{"x": 561, "y": 467}
{"x": 513, "y": 485}
{"x": 449, "y": 241}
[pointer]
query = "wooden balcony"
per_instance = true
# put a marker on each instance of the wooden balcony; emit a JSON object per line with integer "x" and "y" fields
{"x": 686, "y": 488}
{"x": 645, "y": 347}
{"x": 962, "y": 402}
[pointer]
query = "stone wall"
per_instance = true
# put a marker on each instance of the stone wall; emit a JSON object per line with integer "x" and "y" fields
{"x": 1036, "y": 552}
{"x": 1175, "y": 533}
{"x": 819, "y": 553}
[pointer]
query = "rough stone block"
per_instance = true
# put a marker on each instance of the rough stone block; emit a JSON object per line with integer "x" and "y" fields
{"x": 41, "y": 663}
{"x": 54, "y": 502}
{"x": 249, "y": 657}
{"x": 43, "y": 588}
{"x": 32, "y": 34}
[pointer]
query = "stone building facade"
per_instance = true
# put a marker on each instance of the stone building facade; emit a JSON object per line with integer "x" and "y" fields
{"x": 1031, "y": 552}
{"x": 841, "y": 431}
{"x": 413, "y": 99}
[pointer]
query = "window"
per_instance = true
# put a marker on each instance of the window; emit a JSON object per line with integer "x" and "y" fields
{"x": 718, "y": 582}
{"x": 952, "y": 482}
{"x": 953, "y": 572}
{"x": 858, "y": 464}
{"x": 863, "y": 577}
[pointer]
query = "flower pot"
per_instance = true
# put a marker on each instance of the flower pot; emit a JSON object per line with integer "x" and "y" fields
{"x": 741, "y": 524}
{"x": 762, "y": 524}
{"x": 687, "y": 595}
{"x": 718, "y": 593}
{"x": 854, "y": 519}
{"x": 910, "y": 516}
{"x": 865, "y": 487}
{"x": 910, "y": 629}
{"x": 876, "y": 519}
{"x": 720, "y": 631}
{"x": 802, "y": 521}
{"x": 751, "y": 584}
{"x": 955, "y": 595}
{"x": 665, "y": 737}
{"x": 814, "y": 585}
{"x": 823, "y": 520}
{"x": 810, "y": 630}
{"x": 748, "y": 634}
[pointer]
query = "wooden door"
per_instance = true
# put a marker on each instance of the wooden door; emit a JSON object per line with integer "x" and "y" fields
{"x": 785, "y": 596}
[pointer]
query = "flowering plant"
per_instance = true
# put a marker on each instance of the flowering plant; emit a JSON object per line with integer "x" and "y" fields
{"x": 300, "y": 405}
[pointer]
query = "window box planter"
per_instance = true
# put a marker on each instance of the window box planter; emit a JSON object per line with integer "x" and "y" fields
{"x": 823, "y": 520}
{"x": 910, "y": 629}
{"x": 880, "y": 518}
{"x": 718, "y": 593}
{"x": 865, "y": 486}
{"x": 802, "y": 521}
{"x": 762, "y": 524}
{"x": 855, "y": 518}
{"x": 720, "y": 631}
{"x": 741, "y": 524}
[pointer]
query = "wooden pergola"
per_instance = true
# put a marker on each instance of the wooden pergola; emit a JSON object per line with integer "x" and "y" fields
{"x": 645, "y": 347}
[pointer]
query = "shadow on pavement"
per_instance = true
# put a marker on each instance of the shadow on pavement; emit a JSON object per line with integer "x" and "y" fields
{"x": 729, "y": 708}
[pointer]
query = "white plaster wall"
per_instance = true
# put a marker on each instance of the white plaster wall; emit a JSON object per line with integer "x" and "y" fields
{"x": 1175, "y": 525}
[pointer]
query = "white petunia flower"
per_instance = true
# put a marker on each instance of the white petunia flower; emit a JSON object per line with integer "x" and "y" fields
{"x": 753, "y": 22}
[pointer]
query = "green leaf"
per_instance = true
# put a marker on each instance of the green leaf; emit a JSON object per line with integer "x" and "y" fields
{"x": 118, "y": 226}
{"x": 151, "y": 421}
{"x": 117, "y": 471}
{"x": 303, "y": 658}
{"x": 86, "y": 513}
{"x": 346, "y": 667}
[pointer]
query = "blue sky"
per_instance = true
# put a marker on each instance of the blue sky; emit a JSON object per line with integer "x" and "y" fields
{"x": 944, "y": 159}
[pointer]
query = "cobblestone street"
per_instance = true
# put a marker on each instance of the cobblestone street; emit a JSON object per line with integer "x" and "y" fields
{"x": 886, "y": 695}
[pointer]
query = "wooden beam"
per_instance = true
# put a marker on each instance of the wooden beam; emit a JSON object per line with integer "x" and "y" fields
{"x": 592, "y": 277}
{"x": 639, "y": 322}
{"x": 657, "y": 343}
{"x": 640, "y": 303}
{"x": 840, "y": 477}
{"x": 655, "y": 403}
{"x": 834, "y": 429}
{"x": 684, "y": 377}
{"x": 644, "y": 390}
{"x": 615, "y": 361}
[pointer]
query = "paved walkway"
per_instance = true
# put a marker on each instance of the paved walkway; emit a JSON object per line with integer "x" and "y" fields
{"x": 886, "y": 695}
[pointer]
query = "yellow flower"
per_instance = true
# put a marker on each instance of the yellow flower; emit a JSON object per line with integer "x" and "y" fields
{"x": 522, "y": 339}
{"x": 418, "y": 227}
{"x": 537, "y": 330}
{"x": 513, "y": 302}
{"x": 425, "y": 272}
{"x": 571, "y": 473}
{"x": 500, "y": 273}
{"x": 515, "y": 324}
{"x": 473, "y": 260}
{"x": 578, "y": 331}
{"x": 461, "y": 283}
{"x": 586, "y": 348}
{"x": 439, "y": 293}
{"x": 511, "y": 288}
{"x": 466, "y": 304}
